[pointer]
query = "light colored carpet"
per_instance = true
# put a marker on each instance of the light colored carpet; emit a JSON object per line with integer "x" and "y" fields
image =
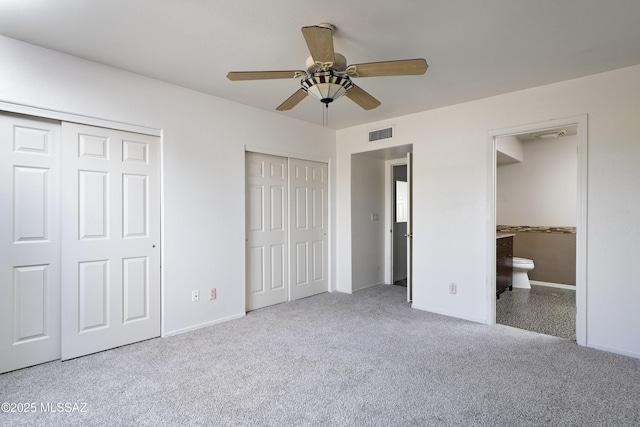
{"x": 365, "y": 359}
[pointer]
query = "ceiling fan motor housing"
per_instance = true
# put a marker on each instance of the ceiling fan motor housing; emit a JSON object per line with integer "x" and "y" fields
{"x": 338, "y": 64}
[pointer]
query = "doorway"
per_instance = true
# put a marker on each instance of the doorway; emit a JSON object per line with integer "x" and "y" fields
{"x": 373, "y": 216}
{"x": 546, "y": 216}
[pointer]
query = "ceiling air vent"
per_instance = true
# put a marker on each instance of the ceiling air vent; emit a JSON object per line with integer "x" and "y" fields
{"x": 552, "y": 134}
{"x": 381, "y": 134}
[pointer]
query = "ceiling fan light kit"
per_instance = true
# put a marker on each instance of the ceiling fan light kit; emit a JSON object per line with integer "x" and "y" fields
{"x": 328, "y": 77}
{"x": 326, "y": 85}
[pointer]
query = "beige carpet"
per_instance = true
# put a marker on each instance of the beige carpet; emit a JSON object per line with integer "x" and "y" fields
{"x": 365, "y": 359}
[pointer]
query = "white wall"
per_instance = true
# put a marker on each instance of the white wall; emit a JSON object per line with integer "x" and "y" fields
{"x": 203, "y": 147}
{"x": 367, "y": 240}
{"x": 452, "y": 186}
{"x": 203, "y": 154}
{"x": 509, "y": 148}
{"x": 540, "y": 191}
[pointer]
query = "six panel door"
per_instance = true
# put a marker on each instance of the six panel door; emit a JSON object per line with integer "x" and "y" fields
{"x": 29, "y": 241}
{"x": 266, "y": 222}
{"x": 110, "y": 239}
{"x": 308, "y": 234}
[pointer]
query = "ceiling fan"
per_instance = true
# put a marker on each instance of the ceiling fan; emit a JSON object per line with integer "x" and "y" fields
{"x": 327, "y": 76}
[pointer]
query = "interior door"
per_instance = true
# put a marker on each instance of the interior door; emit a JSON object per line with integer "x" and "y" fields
{"x": 110, "y": 239}
{"x": 409, "y": 227}
{"x": 266, "y": 234}
{"x": 309, "y": 227}
{"x": 29, "y": 241}
{"x": 398, "y": 213}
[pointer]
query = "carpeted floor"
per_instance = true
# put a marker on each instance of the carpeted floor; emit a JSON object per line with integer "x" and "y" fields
{"x": 543, "y": 309}
{"x": 365, "y": 359}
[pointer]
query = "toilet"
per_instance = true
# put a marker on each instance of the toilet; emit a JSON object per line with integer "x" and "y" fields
{"x": 520, "y": 268}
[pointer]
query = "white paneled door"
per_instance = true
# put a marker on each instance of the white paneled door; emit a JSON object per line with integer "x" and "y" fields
{"x": 308, "y": 234}
{"x": 79, "y": 240}
{"x": 29, "y": 241}
{"x": 286, "y": 204}
{"x": 266, "y": 257}
{"x": 110, "y": 239}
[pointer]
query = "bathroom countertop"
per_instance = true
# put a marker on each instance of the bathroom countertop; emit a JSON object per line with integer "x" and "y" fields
{"x": 503, "y": 235}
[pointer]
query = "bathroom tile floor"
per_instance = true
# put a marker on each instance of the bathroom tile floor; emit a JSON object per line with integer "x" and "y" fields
{"x": 543, "y": 309}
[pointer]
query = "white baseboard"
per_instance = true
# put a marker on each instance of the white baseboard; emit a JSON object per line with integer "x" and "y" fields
{"x": 552, "y": 285}
{"x": 615, "y": 350}
{"x": 367, "y": 286}
{"x": 202, "y": 325}
{"x": 448, "y": 313}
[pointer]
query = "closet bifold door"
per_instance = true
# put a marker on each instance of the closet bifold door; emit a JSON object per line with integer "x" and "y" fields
{"x": 29, "y": 241}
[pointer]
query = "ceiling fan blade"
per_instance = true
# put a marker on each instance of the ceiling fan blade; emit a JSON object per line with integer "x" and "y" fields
{"x": 362, "y": 98}
{"x": 293, "y": 100}
{"x": 406, "y": 67}
{"x": 320, "y": 43}
{"x": 264, "y": 75}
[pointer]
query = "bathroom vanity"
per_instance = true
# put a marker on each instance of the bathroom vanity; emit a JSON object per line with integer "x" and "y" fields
{"x": 504, "y": 262}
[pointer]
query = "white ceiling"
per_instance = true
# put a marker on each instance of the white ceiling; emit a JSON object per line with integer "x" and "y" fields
{"x": 474, "y": 48}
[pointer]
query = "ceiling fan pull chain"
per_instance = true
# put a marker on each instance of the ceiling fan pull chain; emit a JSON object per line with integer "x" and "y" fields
{"x": 325, "y": 115}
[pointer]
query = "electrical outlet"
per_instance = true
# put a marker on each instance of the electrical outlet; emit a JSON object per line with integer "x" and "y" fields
{"x": 212, "y": 295}
{"x": 453, "y": 288}
{"x": 195, "y": 296}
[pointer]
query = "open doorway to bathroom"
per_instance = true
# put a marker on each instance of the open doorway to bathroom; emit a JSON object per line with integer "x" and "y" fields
{"x": 539, "y": 196}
